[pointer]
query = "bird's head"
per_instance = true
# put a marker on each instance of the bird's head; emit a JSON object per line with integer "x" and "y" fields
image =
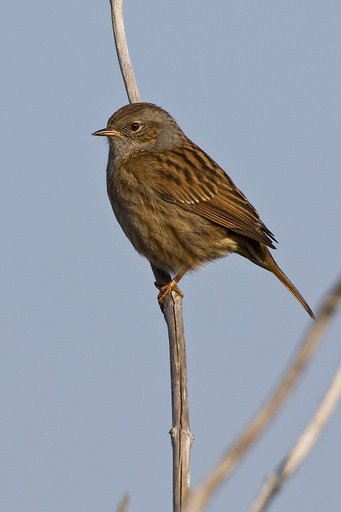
{"x": 141, "y": 127}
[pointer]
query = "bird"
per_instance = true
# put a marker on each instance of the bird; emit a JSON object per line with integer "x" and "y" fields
{"x": 175, "y": 204}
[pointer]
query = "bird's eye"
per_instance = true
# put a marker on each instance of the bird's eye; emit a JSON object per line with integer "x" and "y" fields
{"x": 135, "y": 127}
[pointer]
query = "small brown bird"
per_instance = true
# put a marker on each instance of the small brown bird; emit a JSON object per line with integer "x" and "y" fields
{"x": 178, "y": 208}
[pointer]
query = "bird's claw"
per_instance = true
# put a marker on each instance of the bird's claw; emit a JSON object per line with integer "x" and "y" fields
{"x": 166, "y": 289}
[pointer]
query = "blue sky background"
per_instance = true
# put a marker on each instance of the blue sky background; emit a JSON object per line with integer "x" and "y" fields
{"x": 84, "y": 371}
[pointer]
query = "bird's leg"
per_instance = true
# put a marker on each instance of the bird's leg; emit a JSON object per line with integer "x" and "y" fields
{"x": 170, "y": 286}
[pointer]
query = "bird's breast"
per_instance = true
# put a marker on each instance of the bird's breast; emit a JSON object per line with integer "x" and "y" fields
{"x": 170, "y": 237}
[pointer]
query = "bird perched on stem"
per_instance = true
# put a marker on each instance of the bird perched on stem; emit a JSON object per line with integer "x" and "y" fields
{"x": 178, "y": 208}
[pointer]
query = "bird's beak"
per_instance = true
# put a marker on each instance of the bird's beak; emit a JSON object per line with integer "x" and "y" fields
{"x": 108, "y": 132}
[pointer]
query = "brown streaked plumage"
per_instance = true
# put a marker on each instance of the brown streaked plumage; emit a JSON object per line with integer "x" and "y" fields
{"x": 178, "y": 208}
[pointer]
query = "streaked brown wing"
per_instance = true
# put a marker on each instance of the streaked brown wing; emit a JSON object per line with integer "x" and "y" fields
{"x": 189, "y": 178}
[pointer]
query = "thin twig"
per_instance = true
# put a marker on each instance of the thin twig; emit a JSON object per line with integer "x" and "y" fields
{"x": 180, "y": 433}
{"x": 123, "y": 504}
{"x": 274, "y": 482}
{"x": 123, "y": 51}
{"x": 200, "y": 496}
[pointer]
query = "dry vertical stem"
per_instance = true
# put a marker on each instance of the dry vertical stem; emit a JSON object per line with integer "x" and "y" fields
{"x": 122, "y": 51}
{"x": 180, "y": 432}
{"x": 181, "y": 435}
{"x": 200, "y": 496}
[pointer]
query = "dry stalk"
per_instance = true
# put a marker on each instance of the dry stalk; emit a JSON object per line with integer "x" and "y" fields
{"x": 122, "y": 51}
{"x": 123, "y": 504}
{"x": 303, "y": 446}
{"x": 200, "y": 496}
{"x": 181, "y": 435}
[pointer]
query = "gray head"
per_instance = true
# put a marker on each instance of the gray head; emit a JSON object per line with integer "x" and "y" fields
{"x": 141, "y": 127}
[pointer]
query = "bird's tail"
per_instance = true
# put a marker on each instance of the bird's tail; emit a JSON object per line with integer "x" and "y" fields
{"x": 271, "y": 265}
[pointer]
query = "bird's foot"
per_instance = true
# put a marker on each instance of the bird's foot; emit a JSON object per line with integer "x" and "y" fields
{"x": 165, "y": 289}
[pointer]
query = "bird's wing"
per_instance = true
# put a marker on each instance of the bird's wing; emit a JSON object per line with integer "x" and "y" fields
{"x": 189, "y": 178}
